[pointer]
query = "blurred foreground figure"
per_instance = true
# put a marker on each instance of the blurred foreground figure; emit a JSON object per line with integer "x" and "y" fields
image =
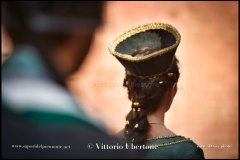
{"x": 40, "y": 118}
{"x": 6, "y": 45}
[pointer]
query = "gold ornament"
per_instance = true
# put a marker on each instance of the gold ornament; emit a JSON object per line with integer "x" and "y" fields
{"x": 170, "y": 74}
{"x": 135, "y": 103}
{"x": 136, "y": 126}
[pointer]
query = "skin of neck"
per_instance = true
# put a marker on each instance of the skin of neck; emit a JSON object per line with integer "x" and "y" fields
{"x": 159, "y": 128}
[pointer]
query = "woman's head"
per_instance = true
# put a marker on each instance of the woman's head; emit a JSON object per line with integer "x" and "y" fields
{"x": 147, "y": 95}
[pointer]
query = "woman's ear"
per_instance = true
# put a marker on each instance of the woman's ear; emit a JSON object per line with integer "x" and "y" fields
{"x": 170, "y": 95}
{"x": 173, "y": 90}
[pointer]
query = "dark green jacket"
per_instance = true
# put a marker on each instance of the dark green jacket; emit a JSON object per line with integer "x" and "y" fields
{"x": 174, "y": 147}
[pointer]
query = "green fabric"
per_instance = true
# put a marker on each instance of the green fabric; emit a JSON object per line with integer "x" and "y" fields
{"x": 25, "y": 60}
{"x": 182, "y": 150}
{"x": 25, "y": 79}
{"x": 55, "y": 119}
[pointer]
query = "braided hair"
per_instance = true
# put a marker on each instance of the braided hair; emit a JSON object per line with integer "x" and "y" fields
{"x": 146, "y": 95}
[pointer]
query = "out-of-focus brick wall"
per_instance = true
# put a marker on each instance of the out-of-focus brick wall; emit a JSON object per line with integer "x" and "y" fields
{"x": 206, "y": 105}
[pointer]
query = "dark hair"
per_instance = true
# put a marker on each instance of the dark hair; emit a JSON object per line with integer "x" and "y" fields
{"x": 49, "y": 21}
{"x": 146, "y": 94}
{"x": 49, "y": 24}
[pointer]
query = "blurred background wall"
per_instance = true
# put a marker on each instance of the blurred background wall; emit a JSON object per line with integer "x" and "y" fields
{"x": 206, "y": 105}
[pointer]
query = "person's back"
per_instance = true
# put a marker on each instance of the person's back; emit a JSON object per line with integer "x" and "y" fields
{"x": 148, "y": 54}
{"x": 40, "y": 117}
{"x": 173, "y": 147}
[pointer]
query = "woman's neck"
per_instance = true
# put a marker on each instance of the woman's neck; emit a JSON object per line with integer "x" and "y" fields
{"x": 158, "y": 128}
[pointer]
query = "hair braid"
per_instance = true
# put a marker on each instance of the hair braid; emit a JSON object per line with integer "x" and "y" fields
{"x": 145, "y": 95}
